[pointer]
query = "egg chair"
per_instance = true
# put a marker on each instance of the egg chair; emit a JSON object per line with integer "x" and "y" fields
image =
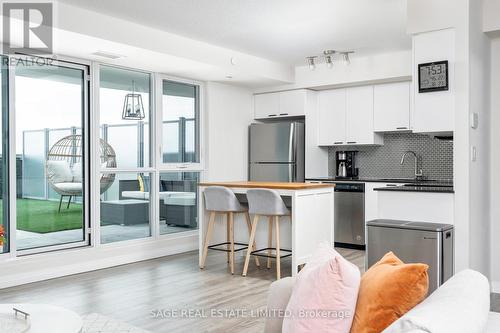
{"x": 64, "y": 167}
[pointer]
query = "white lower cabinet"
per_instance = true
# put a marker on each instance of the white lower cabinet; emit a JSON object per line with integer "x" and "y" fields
{"x": 408, "y": 206}
{"x": 416, "y": 206}
{"x": 371, "y": 200}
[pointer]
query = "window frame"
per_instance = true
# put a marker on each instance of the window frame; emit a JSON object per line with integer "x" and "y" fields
{"x": 98, "y": 170}
{"x": 181, "y": 166}
{"x": 86, "y": 67}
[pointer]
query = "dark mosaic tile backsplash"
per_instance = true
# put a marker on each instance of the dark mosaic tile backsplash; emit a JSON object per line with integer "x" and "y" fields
{"x": 384, "y": 161}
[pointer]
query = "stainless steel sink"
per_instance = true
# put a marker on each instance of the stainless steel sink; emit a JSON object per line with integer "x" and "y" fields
{"x": 429, "y": 185}
{"x": 399, "y": 180}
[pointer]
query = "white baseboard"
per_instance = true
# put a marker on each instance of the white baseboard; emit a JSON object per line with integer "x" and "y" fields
{"x": 34, "y": 268}
{"x": 495, "y": 287}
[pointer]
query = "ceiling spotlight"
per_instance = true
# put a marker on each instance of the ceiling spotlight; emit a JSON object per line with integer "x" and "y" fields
{"x": 310, "y": 62}
{"x": 345, "y": 57}
{"x": 329, "y": 57}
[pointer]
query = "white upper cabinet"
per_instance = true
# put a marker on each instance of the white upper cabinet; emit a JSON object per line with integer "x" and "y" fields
{"x": 434, "y": 112}
{"x": 359, "y": 117}
{"x": 331, "y": 117}
{"x": 391, "y": 107}
{"x": 293, "y": 103}
{"x": 290, "y": 103}
{"x": 267, "y": 105}
{"x": 345, "y": 117}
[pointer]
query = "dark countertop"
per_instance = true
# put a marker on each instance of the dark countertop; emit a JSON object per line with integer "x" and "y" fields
{"x": 407, "y": 184}
{"x": 416, "y": 188}
{"x": 443, "y": 182}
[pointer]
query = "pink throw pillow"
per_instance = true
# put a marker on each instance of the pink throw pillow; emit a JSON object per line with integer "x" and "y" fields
{"x": 324, "y": 295}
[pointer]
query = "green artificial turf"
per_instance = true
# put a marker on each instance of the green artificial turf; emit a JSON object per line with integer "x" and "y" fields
{"x": 41, "y": 216}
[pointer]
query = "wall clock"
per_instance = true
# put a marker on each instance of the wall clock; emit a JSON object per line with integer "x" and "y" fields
{"x": 433, "y": 76}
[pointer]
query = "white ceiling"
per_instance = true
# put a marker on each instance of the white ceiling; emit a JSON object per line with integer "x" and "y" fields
{"x": 279, "y": 30}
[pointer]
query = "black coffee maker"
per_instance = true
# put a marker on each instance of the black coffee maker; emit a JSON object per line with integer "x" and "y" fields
{"x": 345, "y": 162}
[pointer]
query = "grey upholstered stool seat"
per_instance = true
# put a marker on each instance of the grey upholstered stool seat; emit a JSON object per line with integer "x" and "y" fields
{"x": 265, "y": 202}
{"x": 221, "y": 200}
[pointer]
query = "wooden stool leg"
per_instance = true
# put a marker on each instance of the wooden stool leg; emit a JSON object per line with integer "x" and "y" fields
{"x": 231, "y": 240}
{"x": 208, "y": 236}
{"x": 250, "y": 241}
{"x": 253, "y": 246}
{"x": 278, "y": 258}
{"x": 228, "y": 238}
{"x": 269, "y": 240}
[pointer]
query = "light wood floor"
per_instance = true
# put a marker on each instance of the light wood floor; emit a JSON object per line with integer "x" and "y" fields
{"x": 131, "y": 292}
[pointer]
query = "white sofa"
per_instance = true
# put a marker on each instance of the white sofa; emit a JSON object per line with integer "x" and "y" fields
{"x": 461, "y": 305}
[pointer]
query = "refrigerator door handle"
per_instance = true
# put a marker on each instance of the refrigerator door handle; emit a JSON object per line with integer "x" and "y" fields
{"x": 292, "y": 145}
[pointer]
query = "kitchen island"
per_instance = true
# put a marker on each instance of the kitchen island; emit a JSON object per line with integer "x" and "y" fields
{"x": 312, "y": 214}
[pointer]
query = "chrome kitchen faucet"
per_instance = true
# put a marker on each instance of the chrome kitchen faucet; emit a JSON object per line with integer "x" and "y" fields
{"x": 418, "y": 172}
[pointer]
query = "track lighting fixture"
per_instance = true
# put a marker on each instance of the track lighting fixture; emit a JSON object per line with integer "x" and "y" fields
{"x": 328, "y": 56}
{"x": 310, "y": 62}
{"x": 345, "y": 57}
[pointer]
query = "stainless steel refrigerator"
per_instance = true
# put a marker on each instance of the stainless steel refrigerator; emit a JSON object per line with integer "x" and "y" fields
{"x": 276, "y": 152}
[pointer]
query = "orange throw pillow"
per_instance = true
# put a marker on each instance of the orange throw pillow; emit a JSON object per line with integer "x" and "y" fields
{"x": 388, "y": 290}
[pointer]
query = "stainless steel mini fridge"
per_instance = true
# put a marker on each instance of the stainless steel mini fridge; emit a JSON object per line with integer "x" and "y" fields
{"x": 276, "y": 152}
{"x": 414, "y": 242}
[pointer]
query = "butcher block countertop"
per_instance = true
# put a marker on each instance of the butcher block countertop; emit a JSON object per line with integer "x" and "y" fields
{"x": 270, "y": 185}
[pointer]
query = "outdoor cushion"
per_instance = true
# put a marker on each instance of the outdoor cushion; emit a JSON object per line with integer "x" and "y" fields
{"x": 70, "y": 188}
{"x": 59, "y": 172}
{"x": 180, "y": 199}
{"x": 136, "y": 195}
{"x": 169, "y": 198}
{"x": 76, "y": 170}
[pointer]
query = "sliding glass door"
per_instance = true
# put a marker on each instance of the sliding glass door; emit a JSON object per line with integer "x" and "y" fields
{"x": 51, "y": 111}
{"x": 4, "y": 157}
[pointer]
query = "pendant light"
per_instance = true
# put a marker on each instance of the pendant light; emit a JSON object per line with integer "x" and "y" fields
{"x": 133, "y": 108}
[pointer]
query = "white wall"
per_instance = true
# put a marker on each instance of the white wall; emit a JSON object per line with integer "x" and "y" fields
{"x": 472, "y": 244}
{"x": 364, "y": 69}
{"x": 229, "y": 111}
{"x": 479, "y": 170}
{"x": 454, "y": 14}
{"x": 495, "y": 163}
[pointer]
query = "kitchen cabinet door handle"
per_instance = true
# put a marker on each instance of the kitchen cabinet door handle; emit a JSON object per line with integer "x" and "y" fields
{"x": 399, "y": 128}
{"x": 351, "y": 142}
{"x": 272, "y": 115}
{"x": 283, "y": 114}
{"x": 338, "y": 143}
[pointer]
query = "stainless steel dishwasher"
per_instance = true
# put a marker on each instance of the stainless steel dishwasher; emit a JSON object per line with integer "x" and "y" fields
{"x": 414, "y": 242}
{"x": 349, "y": 225}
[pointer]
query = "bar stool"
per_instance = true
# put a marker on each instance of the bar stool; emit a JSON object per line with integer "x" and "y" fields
{"x": 221, "y": 200}
{"x": 264, "y": 202}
